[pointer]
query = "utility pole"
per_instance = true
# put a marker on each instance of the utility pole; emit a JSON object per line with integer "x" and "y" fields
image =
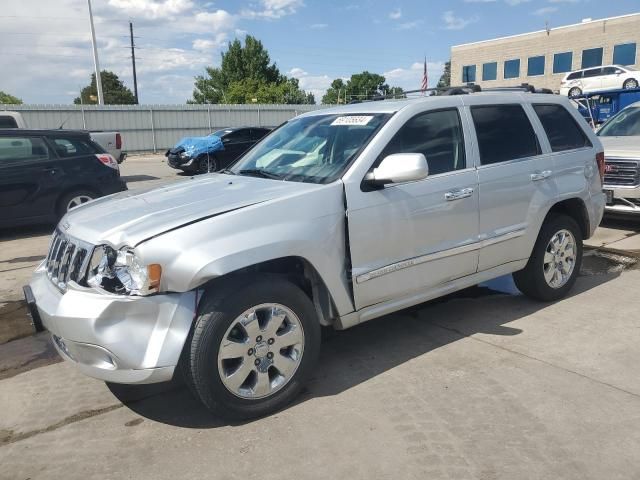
{"x": 95, "y": 57}
{"x": 133, "y": 61}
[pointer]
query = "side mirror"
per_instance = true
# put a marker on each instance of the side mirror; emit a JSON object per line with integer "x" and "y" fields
{"x": 399, "y": 168}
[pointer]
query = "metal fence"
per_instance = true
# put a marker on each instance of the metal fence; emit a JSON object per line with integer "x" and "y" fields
{"x": 156, "y": 127}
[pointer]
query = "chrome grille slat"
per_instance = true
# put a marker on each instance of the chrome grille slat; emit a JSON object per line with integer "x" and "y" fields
{"x": 68, "y": 260}
{"x": 623, "y": 172}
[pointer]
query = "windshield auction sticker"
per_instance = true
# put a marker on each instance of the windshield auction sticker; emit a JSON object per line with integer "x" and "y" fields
{"x": 352, "y": 120}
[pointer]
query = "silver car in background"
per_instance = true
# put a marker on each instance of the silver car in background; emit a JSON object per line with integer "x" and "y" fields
{"x": 620, "y": 136}
{"x": 337, "y": 217}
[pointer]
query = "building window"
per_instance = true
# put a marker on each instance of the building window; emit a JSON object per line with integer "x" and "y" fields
{"x": 468, "y": 74}
{"x": 624, "y": 54}
{"x": 512, "y": 68}
{"x": 535, "y": 66}
{"x": 562, "y": 62}
{"x": 490, "y": 71}
{"x": 592, "y": 57}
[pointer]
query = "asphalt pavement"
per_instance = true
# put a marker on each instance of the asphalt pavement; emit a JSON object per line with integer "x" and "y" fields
{"x": 478, "y": 385}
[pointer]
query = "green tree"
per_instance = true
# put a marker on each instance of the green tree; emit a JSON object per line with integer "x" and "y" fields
{"x": 9, "y": 99}
{"x": 361, "y": 86}
{"x": 115, "y": 92}
{"x": 445, "y": 78}
{"x": 246, "y": 73}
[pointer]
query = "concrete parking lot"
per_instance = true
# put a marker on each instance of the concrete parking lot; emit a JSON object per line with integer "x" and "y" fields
{"x": 481, "y": 384}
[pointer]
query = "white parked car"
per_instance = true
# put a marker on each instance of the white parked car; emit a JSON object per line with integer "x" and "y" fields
{"x": 609, "y": 77}
{"x": 229, "y": 277}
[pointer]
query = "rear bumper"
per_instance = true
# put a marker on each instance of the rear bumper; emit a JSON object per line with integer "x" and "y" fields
{"x": 114, "y": 338}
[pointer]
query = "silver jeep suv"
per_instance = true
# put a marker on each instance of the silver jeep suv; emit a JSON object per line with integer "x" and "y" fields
{"x": 337, "y": 217}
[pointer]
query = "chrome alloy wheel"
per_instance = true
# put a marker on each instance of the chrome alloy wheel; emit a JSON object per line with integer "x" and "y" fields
{"x": 261, "y": 351}
{"x": 77, "y": 201}
{"x": 559, "y": 259}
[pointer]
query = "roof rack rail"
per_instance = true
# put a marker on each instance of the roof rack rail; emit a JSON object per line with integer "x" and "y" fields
{"x": 455, "y": 90}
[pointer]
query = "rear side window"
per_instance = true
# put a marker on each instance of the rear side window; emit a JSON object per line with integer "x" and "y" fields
{"x": 7, "y": 122}
{"x": 574, "y": 75}
{"x": 504, "y": 133}
{"x": 18, "y": 149}
{"x": 73, "y": 147}
{"x": 437, "y": 135}
{"x": 561, "y": 128}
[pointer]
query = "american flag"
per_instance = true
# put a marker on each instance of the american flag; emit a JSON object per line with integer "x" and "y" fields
{"x": 424, "y": 76}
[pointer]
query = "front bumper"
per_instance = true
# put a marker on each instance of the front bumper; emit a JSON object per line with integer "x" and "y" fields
{"x": 625, "y": 200}
{"x": 177, "y": 162}
{"x": 111, "y": 337}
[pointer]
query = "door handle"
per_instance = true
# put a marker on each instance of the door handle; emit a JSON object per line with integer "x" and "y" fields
{"x": 458, "y": 194}
{"x": 536, "y": 177}
{"x": 50, "y": 171}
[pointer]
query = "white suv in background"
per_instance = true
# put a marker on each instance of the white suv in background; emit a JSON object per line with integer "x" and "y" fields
{"x": 609, "y": 77}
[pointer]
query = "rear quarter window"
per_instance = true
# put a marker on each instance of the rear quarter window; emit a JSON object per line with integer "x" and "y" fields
{"x": 504, "y": 133}
{"x": 7, "y": 122}
{"x": 74, "y": 146}
{"x": 562, "y": 130}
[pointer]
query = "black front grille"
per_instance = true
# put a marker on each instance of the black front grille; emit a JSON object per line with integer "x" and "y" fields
{"x": 622, "y": 172}
{"x": 67, "y": 260}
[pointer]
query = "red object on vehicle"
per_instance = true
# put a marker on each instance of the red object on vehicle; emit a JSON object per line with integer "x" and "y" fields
{"x": 108, "y": 160}
{"x": 601, "y": 164}
{"x": 118, "y": 141}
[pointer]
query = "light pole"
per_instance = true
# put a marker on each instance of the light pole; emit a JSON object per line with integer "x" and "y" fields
{"x": 95, "y": 57}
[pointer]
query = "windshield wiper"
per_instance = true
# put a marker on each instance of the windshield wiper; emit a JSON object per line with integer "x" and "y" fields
{"x": 227, "y": 172}
{"x": 260, "y": 172}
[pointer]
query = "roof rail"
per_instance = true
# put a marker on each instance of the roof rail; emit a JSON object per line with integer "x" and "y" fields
{"x": 455, "y": 90}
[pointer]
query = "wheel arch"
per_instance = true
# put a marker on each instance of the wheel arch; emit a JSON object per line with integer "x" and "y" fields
{"x": 296, "y": 269}
{"x": 72, "y": 189}
{"x": 576, "y": 209}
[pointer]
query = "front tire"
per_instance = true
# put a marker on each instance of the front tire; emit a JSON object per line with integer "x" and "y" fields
{"x": 253, "y": 348}
{"x": 206, "y": 164}
{"x": 555, "y": 262}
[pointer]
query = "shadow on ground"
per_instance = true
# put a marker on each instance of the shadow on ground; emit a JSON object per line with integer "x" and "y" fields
{"x": 356, "y": 355}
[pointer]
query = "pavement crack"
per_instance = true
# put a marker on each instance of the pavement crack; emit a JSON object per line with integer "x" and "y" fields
{"x": 9, "y": 436}
{"x": 553, "y": 365}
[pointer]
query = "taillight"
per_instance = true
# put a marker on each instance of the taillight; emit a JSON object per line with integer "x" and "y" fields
{"x": 118, "y": 141}
{"x": 601, "y": 165}
{"x": 107, "y": 160}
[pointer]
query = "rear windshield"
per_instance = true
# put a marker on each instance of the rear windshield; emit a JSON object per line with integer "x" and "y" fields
{"x": 7, "y": 122}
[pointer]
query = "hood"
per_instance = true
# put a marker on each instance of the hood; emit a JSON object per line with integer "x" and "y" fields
{"x": 626, "y": 147}
{"x": 131, "y": 217}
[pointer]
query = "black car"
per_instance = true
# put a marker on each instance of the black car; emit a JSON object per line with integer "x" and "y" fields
{"x": 44, "y": 173}
{"x": 236, "y": 141}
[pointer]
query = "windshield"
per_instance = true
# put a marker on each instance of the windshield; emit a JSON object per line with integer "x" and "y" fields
{"x": 624, "y": 124}
{"x": 314, "y": 149}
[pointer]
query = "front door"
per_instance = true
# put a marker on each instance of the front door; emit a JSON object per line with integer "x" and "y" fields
{"x": 414, "y": 236}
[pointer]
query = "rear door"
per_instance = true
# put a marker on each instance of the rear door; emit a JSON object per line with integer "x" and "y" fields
{"x": 514, "y": 178}
{"x": 27, "y": 169}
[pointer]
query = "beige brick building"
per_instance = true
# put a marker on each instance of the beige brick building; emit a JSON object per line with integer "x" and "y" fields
{"x": 543, "y": 58}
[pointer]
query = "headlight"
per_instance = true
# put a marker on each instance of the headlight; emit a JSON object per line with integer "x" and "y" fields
{"x": 120, "y": 271}
{"x": 184, "y": 155}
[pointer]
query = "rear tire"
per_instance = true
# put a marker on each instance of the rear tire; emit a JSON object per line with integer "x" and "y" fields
{"x": 555, "y": 262}
{"x": 238, "y": 359}
{"x": 74, "y": 199}
{"x": 630, "y": 83}
{"x": 575, "y": 91}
